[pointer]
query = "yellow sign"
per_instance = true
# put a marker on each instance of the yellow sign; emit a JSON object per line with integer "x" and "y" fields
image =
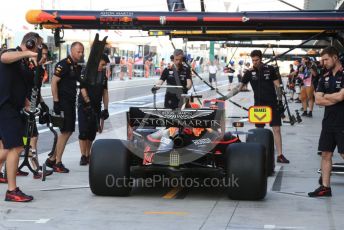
{"x": 260, "y": 114}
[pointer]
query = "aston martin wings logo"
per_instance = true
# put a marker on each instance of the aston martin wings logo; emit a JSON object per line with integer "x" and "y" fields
{"x": 179, "y": 114}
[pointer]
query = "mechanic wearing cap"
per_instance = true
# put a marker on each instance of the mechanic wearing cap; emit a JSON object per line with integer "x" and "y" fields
{"x": 14, "y": 74}
{"x": 263, "y": 80}
{"x": 89, "y": 109}
{"x": 64, "y": 89}
{"x": 330, "y": 93}
{"x": 176, "y": 75}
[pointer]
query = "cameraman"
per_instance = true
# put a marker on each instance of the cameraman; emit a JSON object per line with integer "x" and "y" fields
{"x": 176, "y": 75}
{"x": 89, "y": 109}
{"x": 14, "y": 74}
{"x": 265, "y": 84}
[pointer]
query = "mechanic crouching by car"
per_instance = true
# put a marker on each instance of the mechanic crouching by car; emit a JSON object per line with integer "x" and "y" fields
{"x": 14, "y": 73}
{"x": 64, "y": 89}
{"x": 265, "y": 83}
{"x": 89, "y": 110}
{"x": 176, "y": 75}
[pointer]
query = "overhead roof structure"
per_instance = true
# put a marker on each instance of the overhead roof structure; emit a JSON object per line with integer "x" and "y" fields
{"x": 203, "y": 21}
{"x": 205, "y": 26}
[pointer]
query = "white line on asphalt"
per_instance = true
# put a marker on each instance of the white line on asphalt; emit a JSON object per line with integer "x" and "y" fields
{"x": 39, "y": 221}
{"x": 46, "y": 97}
{"x": 272, "y": 226}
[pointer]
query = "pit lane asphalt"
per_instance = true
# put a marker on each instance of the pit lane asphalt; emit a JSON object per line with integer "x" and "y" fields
{"x": 64, "y": 201}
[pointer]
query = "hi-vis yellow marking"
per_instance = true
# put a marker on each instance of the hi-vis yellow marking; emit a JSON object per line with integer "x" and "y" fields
{"x": 166, "y": 213}
{"x": 260, "y": 114}
{"x": 24, "y": 140}
{"x": 172, "y": 194}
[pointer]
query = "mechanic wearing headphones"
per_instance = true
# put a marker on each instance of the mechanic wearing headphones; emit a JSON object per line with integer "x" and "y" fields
{"x": 64, "y": 90}
{"x": 14, "y": 73}
{"x": 265, "y": 83}
{"x": 176, "y": 75}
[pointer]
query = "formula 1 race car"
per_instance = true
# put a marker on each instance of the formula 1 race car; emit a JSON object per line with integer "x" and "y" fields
{"x": 184, "y": 142}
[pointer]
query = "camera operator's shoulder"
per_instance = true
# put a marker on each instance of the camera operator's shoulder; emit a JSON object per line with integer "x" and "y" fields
{"x": 7, "y": 51}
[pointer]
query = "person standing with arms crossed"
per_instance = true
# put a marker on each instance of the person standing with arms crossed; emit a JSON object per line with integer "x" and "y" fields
{"x": 64, "y": 90}
{"x": 330, "y": 93}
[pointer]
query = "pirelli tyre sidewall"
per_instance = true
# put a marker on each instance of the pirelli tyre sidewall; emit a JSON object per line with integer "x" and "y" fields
{"x": 245, "y": 163}
{"x": 266, "y": 138}
{"x": 109, "y": 172}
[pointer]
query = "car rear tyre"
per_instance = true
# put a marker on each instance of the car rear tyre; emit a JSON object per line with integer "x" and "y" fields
{"x": 266, "y": 138}
{"x": 109, "y": 172}
{"x": 246, "y": 171}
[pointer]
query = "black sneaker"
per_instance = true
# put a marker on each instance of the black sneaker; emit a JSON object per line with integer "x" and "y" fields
{"x": 83, "y": 160}
{"x": 321, "y": 191}
{"x": 50, "y": 163}
{"x": 282, "y": 159}
{"x": 60, "y": 168}
{"x": 3, "y": 179}
{"x": 22, "y": 173}
{"x": 310, "y": 114}
{"x": 17, "y": 196}
{"x": 304, "y": 114}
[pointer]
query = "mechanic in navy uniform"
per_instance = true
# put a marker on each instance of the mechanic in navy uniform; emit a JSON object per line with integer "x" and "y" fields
{"x": 14, "y": 74}
{"x": 265, "y": 84}
{"x": 89, "y": 109}
{"x": 64, "y": 89}
{"x": 330, "y": 93}
{"x": 177, "y": 75}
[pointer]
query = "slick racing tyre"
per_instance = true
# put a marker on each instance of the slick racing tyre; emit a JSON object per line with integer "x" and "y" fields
{"x": 109, "y": 172}
{"x": 266, "y": 138}
{"x": 246, "y": 165}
